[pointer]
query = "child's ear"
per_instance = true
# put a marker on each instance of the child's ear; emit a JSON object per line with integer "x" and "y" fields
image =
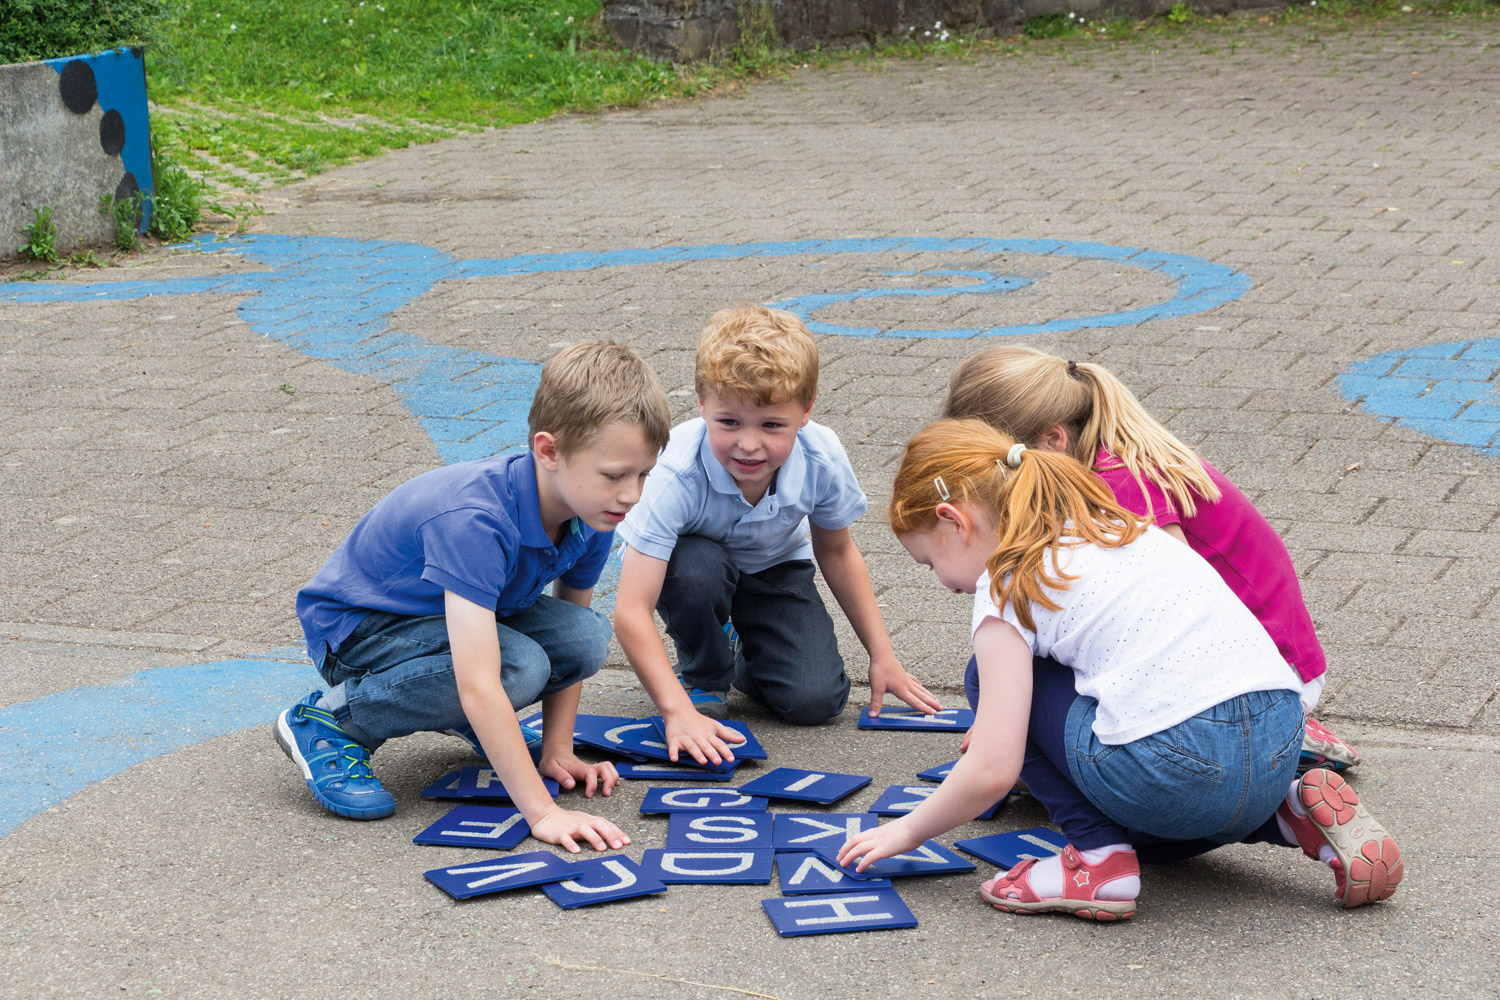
{"x": 1055, "y": 438}
{"x": 807, "y": 413}
{"x": 951, "y": 516}
{"x": 544, "y": 450}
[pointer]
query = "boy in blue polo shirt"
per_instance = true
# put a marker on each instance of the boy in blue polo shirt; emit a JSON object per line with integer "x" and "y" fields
{"x": 722, "y": 535}
{"x": 430, "y": 616}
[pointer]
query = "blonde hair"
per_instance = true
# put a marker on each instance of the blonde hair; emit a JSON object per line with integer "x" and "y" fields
{"x": 1048, "y": 500}
{"x": 588, "y": 386}
{"x": 764, "y": 355}
{"x": 1023, "y": 392}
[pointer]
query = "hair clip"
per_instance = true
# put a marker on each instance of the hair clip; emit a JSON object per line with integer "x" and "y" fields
{"x": 942, "y": 488}
{"x": 1013, "y": 457}
{"x": 1072, "y": 368}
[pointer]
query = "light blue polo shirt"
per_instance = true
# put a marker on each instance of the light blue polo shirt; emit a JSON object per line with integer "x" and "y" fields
{"x": 474, "y": 528}
{"x": 689, "y": 493}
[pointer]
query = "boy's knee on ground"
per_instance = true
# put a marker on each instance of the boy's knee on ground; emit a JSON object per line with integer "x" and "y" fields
{"x": 806, "y": 705}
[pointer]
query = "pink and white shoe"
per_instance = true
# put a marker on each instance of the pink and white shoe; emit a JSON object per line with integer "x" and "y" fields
{"x": 1011, "y": 891}
{"x": 1320, "y": 748}
{"x": 1367, "y": 864}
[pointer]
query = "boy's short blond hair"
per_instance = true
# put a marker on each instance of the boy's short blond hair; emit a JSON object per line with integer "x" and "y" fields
{"x": 588, "y": 386}
{"x": 764, "y": 355}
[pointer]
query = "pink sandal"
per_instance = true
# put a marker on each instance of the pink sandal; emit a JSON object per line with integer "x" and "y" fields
{"x": 1011, "y": 891}
{"x": 1321, "y": 748}
{"x": 1367, "y": 865}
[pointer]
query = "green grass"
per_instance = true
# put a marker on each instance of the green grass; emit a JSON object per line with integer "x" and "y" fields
{"x": 256, "y": 92}
{"x": 253, "y": 93}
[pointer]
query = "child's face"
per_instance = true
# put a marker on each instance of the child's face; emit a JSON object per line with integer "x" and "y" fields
{"x": 599, "y": 483}
{"x": 956, "y": 548}
{"x": 752, "y": 441}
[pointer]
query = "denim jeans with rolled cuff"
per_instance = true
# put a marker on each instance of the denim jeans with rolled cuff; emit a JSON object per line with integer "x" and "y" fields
{"x": 1211, "y": 780}
{"x": 397, "y": 671}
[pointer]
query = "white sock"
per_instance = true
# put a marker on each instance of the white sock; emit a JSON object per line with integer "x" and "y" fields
{"x": 1326, "y": 853}
{"x": 1046, "y": 876}
{"x": 333, "y": 699}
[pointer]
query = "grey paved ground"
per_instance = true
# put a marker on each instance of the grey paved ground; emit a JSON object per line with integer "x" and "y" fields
{"x": 164, "y": 497}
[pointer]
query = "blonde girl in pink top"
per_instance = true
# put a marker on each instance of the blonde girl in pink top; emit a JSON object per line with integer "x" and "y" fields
{"x": 1081, "y": 409}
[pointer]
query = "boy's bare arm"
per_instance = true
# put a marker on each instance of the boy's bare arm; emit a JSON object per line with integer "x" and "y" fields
{"x": 641, "y": 579}
{"x": 559, "y": 713}
{"x": 476, "y": 667}
{"x": 849, "y": 578}
{"x": 582, "y": 598}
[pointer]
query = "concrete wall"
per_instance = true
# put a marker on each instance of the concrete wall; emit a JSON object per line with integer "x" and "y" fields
{"x": 682, "y": 30}
{"x": 70, "y": 131}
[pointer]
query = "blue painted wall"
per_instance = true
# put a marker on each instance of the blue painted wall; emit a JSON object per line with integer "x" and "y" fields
{"x": 119, "y": 80}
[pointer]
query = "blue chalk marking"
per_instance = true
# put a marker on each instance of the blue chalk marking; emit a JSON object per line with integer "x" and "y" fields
{"x": 333, "y": 300}
{"x": 61, "y": 743}
{"x": 1447, "y": 391}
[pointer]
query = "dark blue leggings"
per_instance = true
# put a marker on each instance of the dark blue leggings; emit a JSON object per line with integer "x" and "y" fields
{"x": 1045, "y": 771}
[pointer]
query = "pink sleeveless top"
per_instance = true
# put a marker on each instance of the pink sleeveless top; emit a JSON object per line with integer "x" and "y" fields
{"x": 1241, "y": 545}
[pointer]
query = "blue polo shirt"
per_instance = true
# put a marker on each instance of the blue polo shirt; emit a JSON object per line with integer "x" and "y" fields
{"x": 474, "y": 528}
{"x": 690, "y": 493}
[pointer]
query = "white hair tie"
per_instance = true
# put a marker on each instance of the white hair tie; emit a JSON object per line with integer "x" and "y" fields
{"x": 1013, "y": 457}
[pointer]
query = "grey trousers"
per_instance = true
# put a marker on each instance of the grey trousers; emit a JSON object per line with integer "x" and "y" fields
{"x": 789, "y": 658}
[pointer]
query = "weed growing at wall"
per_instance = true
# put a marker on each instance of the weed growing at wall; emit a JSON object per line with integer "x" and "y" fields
{"x": 759, "y": 38}
{"x": 125, "y": 214}
{"x": 176, "y": 203}
{"x": 41, "y": 237}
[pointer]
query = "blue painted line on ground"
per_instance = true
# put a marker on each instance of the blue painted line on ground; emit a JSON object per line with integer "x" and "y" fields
{"x": 332, "y": 299}
{"x": 57, "y": 745}
{"x": 1447, "y": 391}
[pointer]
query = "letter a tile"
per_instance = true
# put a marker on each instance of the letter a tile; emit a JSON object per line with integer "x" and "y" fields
{"x": 508, "y": 871}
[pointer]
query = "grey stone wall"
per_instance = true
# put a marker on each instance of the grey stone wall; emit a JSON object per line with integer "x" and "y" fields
{"x": 70, "y": 131}
{"x": 682, "y": 30}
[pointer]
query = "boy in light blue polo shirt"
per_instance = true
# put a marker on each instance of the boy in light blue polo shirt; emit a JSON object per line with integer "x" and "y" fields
{"x": 732, "y": 517}
{"x": 431, "y": 615}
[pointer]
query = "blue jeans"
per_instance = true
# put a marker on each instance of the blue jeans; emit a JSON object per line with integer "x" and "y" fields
{"x": 1214, "y": 779}
{"x": 394, "y": 674}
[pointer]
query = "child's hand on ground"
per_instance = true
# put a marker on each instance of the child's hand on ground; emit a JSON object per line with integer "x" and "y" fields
{"x": 567, "y": 770}
{"x": 703, "y": 738}
{"x": 963, "y": 745}
{"x": 869, "y": 846}
{"x": 887, "y": 675}
{"x": 567, "y": 827}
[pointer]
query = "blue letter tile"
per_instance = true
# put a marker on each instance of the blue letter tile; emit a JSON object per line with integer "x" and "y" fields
{"x": 804, "y": 874}
{"x": 602, "y": 880}
{"x": 824, "y": 787}
{"x": 496, "y": 827}
{"x": 498, "y": 874}
{"x": 879, "y": 909}
{"x": 679, "y": 865}
{"x": 745, "y": 831}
